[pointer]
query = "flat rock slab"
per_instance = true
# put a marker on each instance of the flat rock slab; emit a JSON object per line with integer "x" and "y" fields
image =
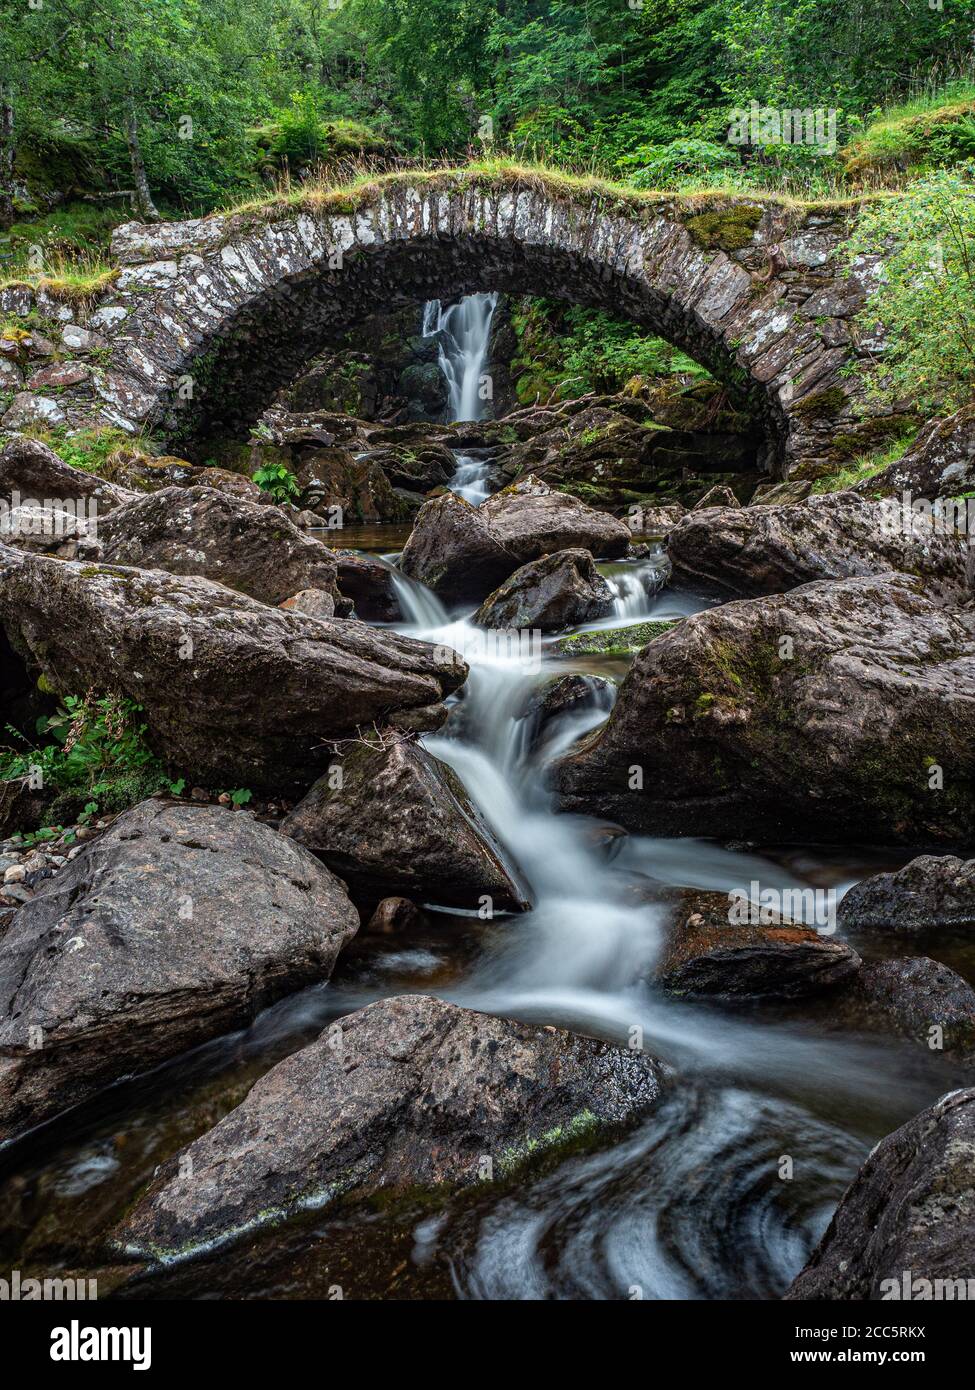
{"x": 232, "y": 689}
{"x": 402, "y": 825}
{"x": 199, "y": 530}
{"x": 711, "y": 955}
{"x": 406, "y": 1093}
{"x": 934, "y": 892}
{"x": 909, "y": 1214}
{"x": 175, "y": 926}
{"x": 841, "y": 709}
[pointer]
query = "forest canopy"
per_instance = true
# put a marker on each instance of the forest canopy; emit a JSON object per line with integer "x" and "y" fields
{"x": 189, "y": 103}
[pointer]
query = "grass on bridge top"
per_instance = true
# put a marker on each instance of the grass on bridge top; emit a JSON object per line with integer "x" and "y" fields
{"x": 323, "y": 195}
{"x": 77, "y": 282}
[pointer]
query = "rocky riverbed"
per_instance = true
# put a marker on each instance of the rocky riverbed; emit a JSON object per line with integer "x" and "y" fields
{"x": 541, "y": 899}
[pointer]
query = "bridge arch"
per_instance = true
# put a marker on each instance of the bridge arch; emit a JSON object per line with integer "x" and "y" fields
{"x": 209, "y": 318}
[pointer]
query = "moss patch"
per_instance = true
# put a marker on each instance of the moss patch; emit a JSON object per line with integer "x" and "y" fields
{"x": 612, "y": 641}
{"x": 725, "y": 229}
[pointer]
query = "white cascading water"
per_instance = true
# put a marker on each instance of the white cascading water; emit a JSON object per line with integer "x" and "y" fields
{"x": 583, "y": 957}
{"x": 464, "y": 340}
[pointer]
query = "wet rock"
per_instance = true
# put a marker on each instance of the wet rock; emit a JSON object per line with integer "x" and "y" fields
{"x": 560, "y": 590}
{"x": 453, "y": 553}
{"x": 770, "y": 549}
{"x": 931, "y": 893}
{"x": 395, "y": 915}
{"x": 352, "y": 487}
{"x": 401, "y": 824}
{"x": 314, "y": 603}
{"x": 612, "y": 641}
{"x": 204, "y": 662}
{"x": 915, "y": 998}
{"x": 817, "y": 714}
{"x": 420, "y": 468}
{"x": 369, "y": 585}
{"x": 710, "y": 953}
{"x": 654, "y": 522}
{"x": 908, "y": 1216}
{"x": 174, "y": 926}
{"x": 716, "y": 497}
{"x": 530, "y": 520}
{"x": 197, "y": 530}
{"x": 225, "y": 480}
{"x": 33, "y": 471}
{"x": 560, "y": 696}
{"x": 780, "y": 494}
{"x": 406, "y": 1093}
{"x": 465, "y": 552}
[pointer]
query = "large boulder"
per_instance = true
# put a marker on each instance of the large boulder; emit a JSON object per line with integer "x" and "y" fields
{"x": 710, "y": 954}
{"x": 233, "y": 690}
{"x": 559, "y": 590}
{"x": 32, "y": 471}
{"x": 908, "y": 1218}
{"x": 838, "y": 710}
{"x": 406, "y": 1093}
{"x": 397, "y": 822}
{"x": 531, "y": 520}
{"x": 930, "y": 894}
{"x": 465, "y": 552}
{"x": 770, "y": 549}
{"x": 452, "y": 552}
{"x": 175, "y": 926}
{"x": 198, "y": 530}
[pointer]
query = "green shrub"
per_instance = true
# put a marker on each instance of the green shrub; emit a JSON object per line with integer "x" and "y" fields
{"x": 92, "y": 753}
{"x": 925, "y": 298}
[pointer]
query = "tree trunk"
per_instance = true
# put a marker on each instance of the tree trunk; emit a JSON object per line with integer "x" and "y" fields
{"x": 7, "y": 154}
{"x": 144, "y": 206}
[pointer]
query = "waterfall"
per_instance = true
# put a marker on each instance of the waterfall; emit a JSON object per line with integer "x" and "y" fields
{"x": 464, "y": 343}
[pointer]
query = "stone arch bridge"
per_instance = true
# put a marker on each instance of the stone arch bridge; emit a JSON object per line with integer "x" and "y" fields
{"x": 209, "y": 318}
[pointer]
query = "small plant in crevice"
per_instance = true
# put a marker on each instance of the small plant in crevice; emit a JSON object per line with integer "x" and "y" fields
{"x": 278, "y": 480}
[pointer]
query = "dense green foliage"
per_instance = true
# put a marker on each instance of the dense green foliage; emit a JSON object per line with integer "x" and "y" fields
{"x": 210, "y": 96}
{"x": 926, "y": 296}
{"x": 565, "y": 351}
{"x": 92, "y": 754}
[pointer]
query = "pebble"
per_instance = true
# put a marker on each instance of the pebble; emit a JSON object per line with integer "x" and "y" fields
{"x": 18, "y": 892}
{"x": 73, "y": 853}
{"x": 7, "y": 861}
{"x": 15, "y": 874}
{"x": 34, "y": 861}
